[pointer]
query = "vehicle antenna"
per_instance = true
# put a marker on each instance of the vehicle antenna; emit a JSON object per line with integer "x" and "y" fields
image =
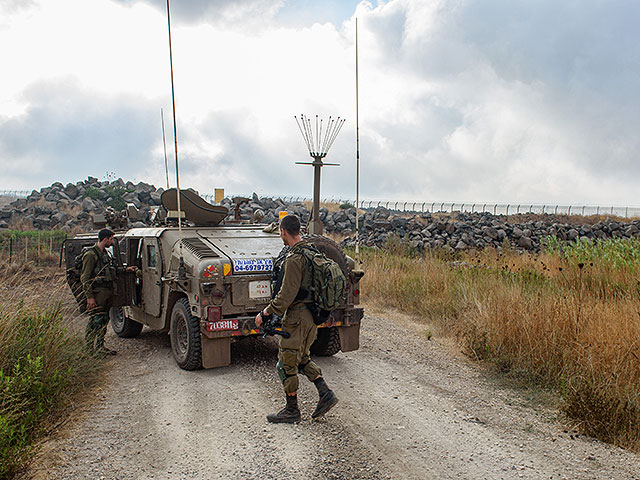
{"x": 164, "y": 143}
{"x": 357, "y": 155}
{"x": 181, "y": 269}
{"x": 318, "y": 146}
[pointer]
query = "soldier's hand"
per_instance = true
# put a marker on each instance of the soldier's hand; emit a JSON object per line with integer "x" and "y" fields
{"x": 131, "y": 268}
{"x": 258, "y": 320}
{"x": 91, "y": 303}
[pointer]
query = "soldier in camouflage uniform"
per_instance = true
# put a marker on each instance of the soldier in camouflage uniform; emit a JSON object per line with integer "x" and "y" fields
{"x": 297, "y": 320}
{"x": 98, "y": 277}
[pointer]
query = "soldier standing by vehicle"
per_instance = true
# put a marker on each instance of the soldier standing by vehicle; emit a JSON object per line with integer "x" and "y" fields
{"x": 98, "y": 277}
{"x": 291, "y": 304}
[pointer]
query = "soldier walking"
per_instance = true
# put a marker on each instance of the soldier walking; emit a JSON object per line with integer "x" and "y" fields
{"x": 98, "y": 277}
{"x": 297, "y": 321}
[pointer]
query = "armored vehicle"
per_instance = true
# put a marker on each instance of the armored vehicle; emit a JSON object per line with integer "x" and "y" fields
{"x": 206, "y": 289}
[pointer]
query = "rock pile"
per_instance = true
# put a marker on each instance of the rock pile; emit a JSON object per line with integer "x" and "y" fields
{"x": 72, "y": 207}
{"x": 462, "y": 231}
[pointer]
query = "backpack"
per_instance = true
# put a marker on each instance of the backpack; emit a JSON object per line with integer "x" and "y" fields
{"x": 74, "y": 271}
{"x": 326, "y": 285}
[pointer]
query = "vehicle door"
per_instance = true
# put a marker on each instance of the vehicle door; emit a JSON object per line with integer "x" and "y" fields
{"x": 151, "y": 276}
{"x": 124, "y": 285}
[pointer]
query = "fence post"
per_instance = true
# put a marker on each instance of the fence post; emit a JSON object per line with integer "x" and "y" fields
{"x": 598, "y": 210}
{"x": 495, "y": 205}
{"x": 10, "y": 249}
{"x": 543, "y": 207}
{"x": 432, "y": 204}
{"x": 483, "y": 205}
{"x": 626, "y": 212}
{"x": 612, "y": 210}
{"x": 507, "y": 209}
{"x": 423, "y": 207}
{"x": 26, "y": 246}
{"x": 462, "y": 208}
{"x": 583, "y": 210}
{"x": 404, "y": 207}
{"x": 569, "y": 211}
{"x": 452, "y": 207}
{"x": 442, "y": 207}
{"x": 518, "y": 210}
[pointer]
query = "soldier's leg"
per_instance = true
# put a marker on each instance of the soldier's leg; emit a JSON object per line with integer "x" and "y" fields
{"x": 92, "y": 331}
{"x": 287, "y": 367}
{"x": 100, "y": 333}
{"x": 326, "y": 398}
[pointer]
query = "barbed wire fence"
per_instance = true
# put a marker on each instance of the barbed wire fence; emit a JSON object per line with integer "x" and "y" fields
{"x": 411, "y": 206}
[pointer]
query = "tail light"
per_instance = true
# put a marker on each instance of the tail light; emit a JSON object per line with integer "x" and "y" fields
{"x": 214, "y": 314}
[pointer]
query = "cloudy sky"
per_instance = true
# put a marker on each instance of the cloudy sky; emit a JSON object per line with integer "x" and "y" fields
{"x": 460, "y": 100}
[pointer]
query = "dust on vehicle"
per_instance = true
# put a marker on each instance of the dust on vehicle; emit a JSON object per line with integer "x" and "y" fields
{"x": 205, "y": 282}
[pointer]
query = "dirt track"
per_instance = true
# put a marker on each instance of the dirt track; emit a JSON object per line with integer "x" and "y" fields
{"x": 409, "y": 409}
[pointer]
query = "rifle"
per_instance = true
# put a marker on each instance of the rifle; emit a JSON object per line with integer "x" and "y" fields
{"x": 271, "y": 325}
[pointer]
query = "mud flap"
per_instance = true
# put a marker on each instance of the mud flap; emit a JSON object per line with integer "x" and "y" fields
{"x": 349, "y": 338}
{"x": 216, "y": 352}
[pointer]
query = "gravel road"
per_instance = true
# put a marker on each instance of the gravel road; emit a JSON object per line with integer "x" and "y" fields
{"x": 409, "y": 408}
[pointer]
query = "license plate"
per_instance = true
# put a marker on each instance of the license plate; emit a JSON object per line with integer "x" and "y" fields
{"x": 252, "y": 265}
{"x": 222, "y": 325}
{"x": 260, "y": 289}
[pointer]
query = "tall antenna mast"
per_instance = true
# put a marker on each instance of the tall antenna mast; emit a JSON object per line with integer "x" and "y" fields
{"x": 357, "y": 155}
{"x": 164, "y": 144}
{"x": 318, "y": 139}
{"x": 181, "y": 269}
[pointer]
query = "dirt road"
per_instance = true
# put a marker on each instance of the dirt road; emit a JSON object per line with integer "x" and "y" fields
{"x": 409, "y": 409}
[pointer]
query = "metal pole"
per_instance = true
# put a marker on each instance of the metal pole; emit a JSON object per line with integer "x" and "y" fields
{"x": 357, "y": 154}
{"x": 181, "y": 269}
{"x": 164, "y": 144}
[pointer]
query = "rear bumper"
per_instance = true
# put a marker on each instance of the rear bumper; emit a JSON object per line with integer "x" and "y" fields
{"x": 344, "y": 317}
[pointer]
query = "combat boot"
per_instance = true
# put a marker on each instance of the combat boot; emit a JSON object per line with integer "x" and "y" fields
{"x": 327, "y": 399}
{"x": 289, "y": 414}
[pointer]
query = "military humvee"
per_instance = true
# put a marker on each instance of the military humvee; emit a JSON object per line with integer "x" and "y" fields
{"x": 210, "y": 298}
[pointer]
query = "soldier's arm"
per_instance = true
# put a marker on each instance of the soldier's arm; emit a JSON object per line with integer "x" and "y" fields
{"x": 88, "y": 264}
{"x": 291, "y": 281}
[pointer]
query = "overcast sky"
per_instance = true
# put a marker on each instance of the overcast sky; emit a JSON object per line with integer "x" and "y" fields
{"x": 460, "y": 100}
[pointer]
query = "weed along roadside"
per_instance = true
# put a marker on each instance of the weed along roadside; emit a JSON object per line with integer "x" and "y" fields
{"x": 566, "y": 319}
{"x": 43, "y": 366}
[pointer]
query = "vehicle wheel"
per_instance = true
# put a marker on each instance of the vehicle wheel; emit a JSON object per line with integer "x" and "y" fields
{"x": 184, "y": 332}
{"x": 327, "y": 343}
{"x": 123, "y": 326}
{"x": 331, "y": 249}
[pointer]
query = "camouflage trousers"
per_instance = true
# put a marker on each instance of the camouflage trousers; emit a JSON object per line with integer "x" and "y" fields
{"x": 95, "y": 331}
{"x": 293, "y": 353}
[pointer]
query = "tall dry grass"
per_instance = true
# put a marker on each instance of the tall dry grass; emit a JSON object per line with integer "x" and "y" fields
{"x": 568, "y": 319}
{"x": 43, "y": 364}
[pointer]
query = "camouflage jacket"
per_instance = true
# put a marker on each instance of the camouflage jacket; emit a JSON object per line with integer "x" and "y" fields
{"x": 98, "y": 271}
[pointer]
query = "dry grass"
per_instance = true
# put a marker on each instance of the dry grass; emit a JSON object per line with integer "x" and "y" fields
{"x": 568, "y": 320}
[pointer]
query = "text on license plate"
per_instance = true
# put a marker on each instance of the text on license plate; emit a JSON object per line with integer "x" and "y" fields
{"x": 253, "y": 265}
{"x": 222, "y": 325}
{"x": 260, "y": 289}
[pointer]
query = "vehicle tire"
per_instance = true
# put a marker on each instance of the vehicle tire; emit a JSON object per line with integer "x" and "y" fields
{"x": 331, "y": 249}
{"x": 184, "y": 332}
{"x": 327, "y": 343}
{"x": 122, "y": 325}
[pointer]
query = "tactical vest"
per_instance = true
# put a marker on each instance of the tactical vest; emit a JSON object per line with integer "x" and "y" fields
{"x": 104, "y": 270}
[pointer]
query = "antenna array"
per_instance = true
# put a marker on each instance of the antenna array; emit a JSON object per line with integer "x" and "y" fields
{"x": 319, "y": 137}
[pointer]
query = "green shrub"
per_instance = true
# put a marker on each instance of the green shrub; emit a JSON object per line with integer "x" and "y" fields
{"x": 41, "y": 366}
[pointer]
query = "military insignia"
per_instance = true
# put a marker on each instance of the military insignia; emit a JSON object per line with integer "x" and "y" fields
{"x": 210, "y": 271}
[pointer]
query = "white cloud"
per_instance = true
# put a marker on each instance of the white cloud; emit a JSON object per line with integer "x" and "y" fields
{"x": 462, "y": 100}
